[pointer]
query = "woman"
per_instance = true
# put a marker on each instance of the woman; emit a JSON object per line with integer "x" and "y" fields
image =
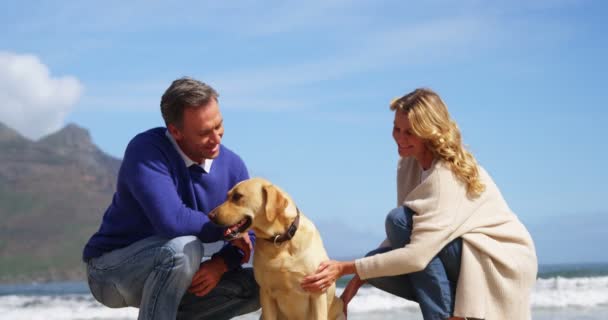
{"x": 453, "y": 245}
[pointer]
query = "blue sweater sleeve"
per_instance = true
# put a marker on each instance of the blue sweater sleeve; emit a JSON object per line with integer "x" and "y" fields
{"x": 150, "y": 182}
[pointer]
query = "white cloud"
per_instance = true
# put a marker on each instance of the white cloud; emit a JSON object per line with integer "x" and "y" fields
{"x": 32, "y": 101}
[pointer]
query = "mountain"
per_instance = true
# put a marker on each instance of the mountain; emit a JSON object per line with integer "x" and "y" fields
{"x": 53, "y": 193}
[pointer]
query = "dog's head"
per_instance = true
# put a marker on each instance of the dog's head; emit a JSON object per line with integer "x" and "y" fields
{"x": 257, "y": 204}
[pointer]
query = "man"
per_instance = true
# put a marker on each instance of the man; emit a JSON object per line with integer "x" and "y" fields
{"x": 147, "y": 252}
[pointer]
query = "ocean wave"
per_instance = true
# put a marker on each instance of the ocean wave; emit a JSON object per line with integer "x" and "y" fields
{"x": 78, "y": 306}
{"x": 561, "y": 292}
{"x": 370, "y": 299}
{"x": 553, "y": 293}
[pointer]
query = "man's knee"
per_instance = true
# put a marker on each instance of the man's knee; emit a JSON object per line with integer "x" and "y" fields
{"x": 182, "y": 255}
{"x": 251, "y": 294}
{"x": 239, "y": 283}
{"x": 251, "y": 301}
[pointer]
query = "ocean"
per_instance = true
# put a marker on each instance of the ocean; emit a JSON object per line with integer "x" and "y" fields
{"x": 562, "y": 292}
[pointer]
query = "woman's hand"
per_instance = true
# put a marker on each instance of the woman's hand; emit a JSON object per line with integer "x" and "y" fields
{"x": 327, "y": 273}
{"x": 351, "y": 290}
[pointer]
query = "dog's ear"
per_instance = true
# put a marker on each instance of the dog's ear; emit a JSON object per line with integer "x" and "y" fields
{"x": 275, "y": 202}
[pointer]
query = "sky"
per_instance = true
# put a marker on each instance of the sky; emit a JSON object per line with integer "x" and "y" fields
{"x": 305, "y": 87}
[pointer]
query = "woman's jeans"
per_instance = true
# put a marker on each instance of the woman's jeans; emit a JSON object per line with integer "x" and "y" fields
{"x": 153, "y": 275}
{"x": 434, "y": 288}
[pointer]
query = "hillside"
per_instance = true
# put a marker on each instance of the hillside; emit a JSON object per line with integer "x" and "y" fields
{"x": 52, "y": 195}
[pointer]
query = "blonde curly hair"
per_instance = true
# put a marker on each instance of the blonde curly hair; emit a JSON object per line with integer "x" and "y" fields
{"x": 430, "y": 121}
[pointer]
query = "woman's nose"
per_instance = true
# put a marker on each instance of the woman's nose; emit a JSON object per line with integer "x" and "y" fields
{"x": 401, "y": 138}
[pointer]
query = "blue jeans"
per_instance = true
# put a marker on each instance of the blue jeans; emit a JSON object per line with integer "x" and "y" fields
{"x": 153, "y": 275}
{"x": 434, "y": 288}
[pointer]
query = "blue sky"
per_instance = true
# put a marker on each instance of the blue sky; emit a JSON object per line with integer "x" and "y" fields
{"x": 305, "y": 86}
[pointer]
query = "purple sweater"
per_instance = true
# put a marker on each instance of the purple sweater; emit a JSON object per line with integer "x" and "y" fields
{"x": 156, "y": 195}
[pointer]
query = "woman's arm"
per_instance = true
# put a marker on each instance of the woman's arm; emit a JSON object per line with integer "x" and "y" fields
{"x": 327, "y": 273}
{"x": 351, "y": 290}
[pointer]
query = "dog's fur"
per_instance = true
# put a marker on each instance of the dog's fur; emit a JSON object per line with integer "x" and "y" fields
{"x": 279, "y": 268}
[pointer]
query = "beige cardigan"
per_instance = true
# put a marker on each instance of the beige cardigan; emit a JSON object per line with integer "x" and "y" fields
{"x": 498, "y": 268}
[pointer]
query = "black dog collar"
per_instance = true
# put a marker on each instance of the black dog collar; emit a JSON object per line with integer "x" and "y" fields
{"x": 291, "y": 231}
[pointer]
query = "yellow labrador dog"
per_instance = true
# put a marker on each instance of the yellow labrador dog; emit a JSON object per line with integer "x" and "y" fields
{"x": 288, "y": 247}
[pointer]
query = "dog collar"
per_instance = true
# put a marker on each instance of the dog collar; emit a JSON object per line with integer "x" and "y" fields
{"x": 290, "y": 233}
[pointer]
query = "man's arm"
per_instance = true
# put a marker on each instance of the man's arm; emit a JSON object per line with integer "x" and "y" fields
{"x": 150, "y": 182}
{"x": 208, "y": 276}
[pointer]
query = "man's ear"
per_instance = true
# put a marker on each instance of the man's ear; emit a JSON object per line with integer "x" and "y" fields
{"x": 276, "y": 202}
{"x": 174, "y": 131}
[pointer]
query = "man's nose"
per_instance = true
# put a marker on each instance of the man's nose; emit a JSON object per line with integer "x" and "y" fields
{"x": 217, "y": 137}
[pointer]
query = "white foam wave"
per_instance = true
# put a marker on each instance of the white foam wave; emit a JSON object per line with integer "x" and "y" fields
{"x": 59, "y": 308}
{"x": 553, "y": 293}
{"x": 561, "y": 292}
{"x": 370, "y": 299}
{"x": 548, "y": 293}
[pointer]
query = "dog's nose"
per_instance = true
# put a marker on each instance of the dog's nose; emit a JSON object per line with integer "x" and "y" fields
{"x": 212, "y": 215}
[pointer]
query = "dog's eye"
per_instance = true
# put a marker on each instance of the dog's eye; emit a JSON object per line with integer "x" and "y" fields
{"x": 236, "y": 196}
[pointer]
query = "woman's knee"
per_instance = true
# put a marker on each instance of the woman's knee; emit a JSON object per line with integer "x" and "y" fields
{"x": 397, "y": 285}
{"x": 399, "y": 217}
{"x": 399, "y": 226}
{"x": 378, "y": 250}
{"x": 450, "y": 256}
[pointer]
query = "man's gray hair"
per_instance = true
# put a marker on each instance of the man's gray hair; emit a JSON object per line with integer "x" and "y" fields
{"x": 184, "y": 93}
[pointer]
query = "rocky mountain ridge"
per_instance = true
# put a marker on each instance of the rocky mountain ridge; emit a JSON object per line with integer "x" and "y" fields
{"x": 53, "y": 192}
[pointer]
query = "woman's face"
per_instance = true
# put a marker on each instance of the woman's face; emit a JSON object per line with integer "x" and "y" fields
{"x": 408, "y": 144}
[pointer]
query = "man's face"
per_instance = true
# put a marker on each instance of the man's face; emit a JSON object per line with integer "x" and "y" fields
{"x": 201, "y": 132}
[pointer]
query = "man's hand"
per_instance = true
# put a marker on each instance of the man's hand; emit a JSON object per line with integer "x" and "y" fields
{"x": 243, "y": 243}
{"x": 207, "y": 276}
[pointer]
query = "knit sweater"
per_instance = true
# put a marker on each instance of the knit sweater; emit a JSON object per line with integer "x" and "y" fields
{"x": 498, "y": 264}
{"x": 157, "y": 195}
